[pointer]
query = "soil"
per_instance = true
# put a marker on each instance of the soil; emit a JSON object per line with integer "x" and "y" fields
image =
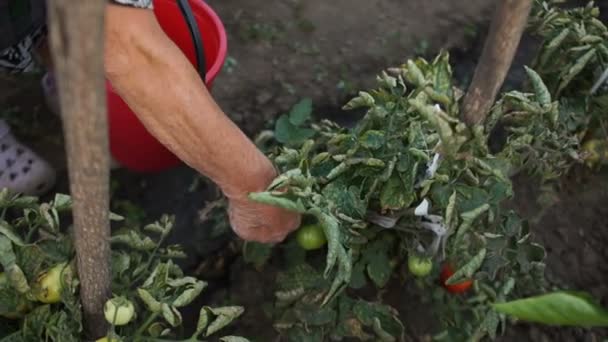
{"x": 283, "y": 50}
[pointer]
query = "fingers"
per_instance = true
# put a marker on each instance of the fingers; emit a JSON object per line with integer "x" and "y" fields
{"x": 264, "y": 224}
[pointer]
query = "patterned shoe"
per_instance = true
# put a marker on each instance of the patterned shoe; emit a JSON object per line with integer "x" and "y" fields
{"x": 23, "y": 171}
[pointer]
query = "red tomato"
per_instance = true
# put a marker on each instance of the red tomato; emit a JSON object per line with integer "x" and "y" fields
{"x": 446, "y": 272}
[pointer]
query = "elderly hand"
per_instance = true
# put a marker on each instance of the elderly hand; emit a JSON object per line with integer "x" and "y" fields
{"x": 253, "y": 221}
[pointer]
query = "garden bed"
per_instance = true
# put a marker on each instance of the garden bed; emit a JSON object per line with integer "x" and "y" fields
{"x": 328, "y": 62}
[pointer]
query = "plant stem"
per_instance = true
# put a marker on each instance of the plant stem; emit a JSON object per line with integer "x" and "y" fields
{"x": 143, "y": 327}
{"x": 150, "y": 259}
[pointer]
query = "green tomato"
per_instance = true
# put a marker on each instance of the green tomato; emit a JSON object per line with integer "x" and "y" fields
{"x": 311, "y": 237}
{"x": 48, "y": 285}
{"x": 419, "y": 266}
{"x": 118, "y": 311}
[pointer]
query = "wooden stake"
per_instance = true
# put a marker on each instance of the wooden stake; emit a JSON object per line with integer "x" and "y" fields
{"x": 77, "y": 34}
{"x": 507, "y": 27}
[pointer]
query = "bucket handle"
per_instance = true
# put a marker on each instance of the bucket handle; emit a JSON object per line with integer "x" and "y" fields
{"x": 197, "y": 39}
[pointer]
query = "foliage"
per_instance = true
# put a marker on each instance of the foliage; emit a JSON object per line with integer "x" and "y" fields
{"x": 547, "y": 125}
{"x": 412, "y": 179}
{"x": 558, "y": 308}
{"x": 143, "y": 273}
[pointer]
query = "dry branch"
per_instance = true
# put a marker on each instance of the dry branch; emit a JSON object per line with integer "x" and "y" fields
{"x": 76, "y": 33}
{"x": 501, "y": 44}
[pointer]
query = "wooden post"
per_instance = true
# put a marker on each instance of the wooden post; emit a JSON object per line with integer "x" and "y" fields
{"x": 76, "y": 31}
{"x": 507, "y": 27}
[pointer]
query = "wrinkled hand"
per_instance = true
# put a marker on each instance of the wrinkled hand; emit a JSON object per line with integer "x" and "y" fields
{"x": 253, "y": 221}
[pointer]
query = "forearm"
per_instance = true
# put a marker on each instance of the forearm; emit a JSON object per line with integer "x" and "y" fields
{"x": 164, "y": 90}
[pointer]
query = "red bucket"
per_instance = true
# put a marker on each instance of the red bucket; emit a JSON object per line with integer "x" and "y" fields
{"x": 130, "y": 143}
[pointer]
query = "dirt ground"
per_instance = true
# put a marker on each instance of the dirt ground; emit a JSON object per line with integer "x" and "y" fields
{"x": 283, "y": 50}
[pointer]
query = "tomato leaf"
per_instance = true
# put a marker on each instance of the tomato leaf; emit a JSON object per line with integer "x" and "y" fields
{"x": 289, "y": 134}
{"x": 372, "y": 139}
{"x": 62, "y": 202}
{"x": 233, "y": 339}
{"x": 540, "y": 89}
{"x": 561, "y": 308}
{"x": 468, "y": 270}
{"x": 7, "y": 230}
{"x": 396, "y": 194}
{"x": 171, "y": 315}
{"x": 203, "y": 321}
{"x": 363, "y": 100}
{"x": 151, "y": 303}
{"x": 281, "y": 202}
{"x": 189, "y": 294}
{"x": 134, "y": 240}
{"x": 256, "y": 253}
{"x": 300, "y": 113}
{"x": 379, "y": 268}
{"x": 224, "y": 316}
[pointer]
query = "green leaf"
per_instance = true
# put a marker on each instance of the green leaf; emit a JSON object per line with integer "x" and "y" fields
{"x": 62, "y": 202}
{"x": 152, "y": 304}
{"x": 358, "y": 279}
{"x": 300, "y": 113}
{"x": 233, "y": 339}
{"x": 203, "y": 321}
{"x": 540, "y": 89}
{"x": 363, "y": 100}
{"x": 468, "y": 218}
{"x": 490, "y": 324}
{"x": 396, "y": 194}
{"x": 378, "y": 267}
{"x": 468, "y": 270}
{"x": 414, "y": 75}
{"x": 559, "y": 308}
{"x": 256, "y": 253}
{"x": 346, "y": 198}
{"x": 7, "y": 230}
{"x": 288, "y": 133}
{"x": 443, "y": 75}
{"x": 7, "y": 255}
{"x": 134, "y": 240}
{"x": 576, "y": 69}
{"x": 281, "y": 202}
{"x": 368, "y": 313}
{"x": 171, "y": 315}
{"x": 182, "y": 281}
{"x": 121, "y": 262}
{"x": 189, "y": 294}
{"x": 224, "y": 316}
{"x": 381, "y": 333}
{"x": 372, "y": 139}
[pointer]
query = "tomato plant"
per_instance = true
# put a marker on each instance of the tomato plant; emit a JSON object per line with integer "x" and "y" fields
{"x": 39, "y": 288}
{"x": 411, "y": 177}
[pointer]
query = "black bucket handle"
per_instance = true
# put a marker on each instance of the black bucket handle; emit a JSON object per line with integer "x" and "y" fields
{"x": 197, "y": 39}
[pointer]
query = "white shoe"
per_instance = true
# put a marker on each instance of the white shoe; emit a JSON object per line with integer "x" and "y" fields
{"x": 21, "y": 170}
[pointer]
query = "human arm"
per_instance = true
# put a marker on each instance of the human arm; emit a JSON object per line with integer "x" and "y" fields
{"x": 161, "y": 86}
